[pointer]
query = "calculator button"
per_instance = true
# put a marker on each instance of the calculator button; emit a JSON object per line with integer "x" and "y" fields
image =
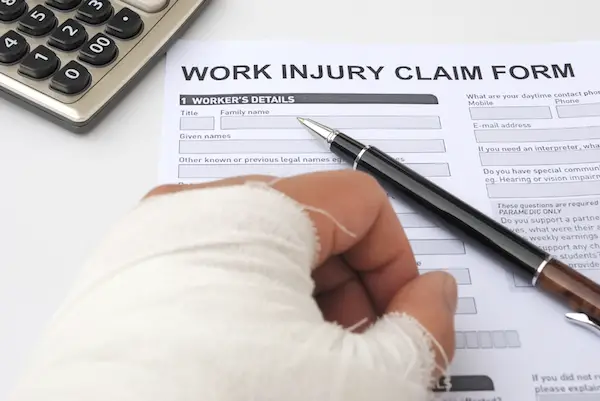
{"x": 12, "y": 47}
{"x": 39, "y": 63}
{"x": 99, "y": 51}
{"x": 71, "y": 79}
{"x": 38, "y": 21}
{"x": 125, "y": 24}
{"x": 95, "y": 11}
{"x": 70, "y": 35}
{"x": 149, "y": 6}
{"x": 63, "y": 5}
{"x": 10, "y": 10}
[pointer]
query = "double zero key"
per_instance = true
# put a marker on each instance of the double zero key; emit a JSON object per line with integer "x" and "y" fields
{"x": 99, "y": 51}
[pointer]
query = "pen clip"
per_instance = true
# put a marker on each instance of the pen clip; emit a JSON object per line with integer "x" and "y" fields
{"x": 583, "y": 320}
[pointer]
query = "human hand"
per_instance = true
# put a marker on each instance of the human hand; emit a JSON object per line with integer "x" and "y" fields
{"x": 370, "y": 270}
{"x": 207, "y": 295}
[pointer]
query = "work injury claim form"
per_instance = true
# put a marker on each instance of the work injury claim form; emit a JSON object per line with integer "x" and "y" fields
{"x": 513, "y": 130}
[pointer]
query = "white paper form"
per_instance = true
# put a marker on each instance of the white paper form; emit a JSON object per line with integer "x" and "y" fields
{"x": 514, "y": 130}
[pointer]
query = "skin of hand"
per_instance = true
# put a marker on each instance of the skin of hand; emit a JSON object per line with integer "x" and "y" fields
{"x": 372, "y": 273}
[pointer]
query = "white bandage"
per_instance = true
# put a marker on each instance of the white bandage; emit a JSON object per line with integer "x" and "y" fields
{"x": 207, "y": 295}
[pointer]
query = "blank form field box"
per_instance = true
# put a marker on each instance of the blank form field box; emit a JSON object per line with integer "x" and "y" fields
{"x": 461, "y": 276}
{"x": 409, "y": 145}
{"x": 437, "y": 247}
{"x": 251, "y": 146}
{"x": 511, "y": 113}
{"x": 581, "y": 188}
{"x": 196, "y": 123}
{"x": 540, "y": 158}
{"x": 301, "y": 146}
{"x": 578, "y": 110}
{"x": 512, "y": 339}
{"x": 466, "y": 306}
{"x": 471, "y": 339}
{"x": 228, "y": 170}
{"x": 336, "y": 122}
{"x": 414, "y": 220}
{"x": 569, "y": 397}
{"x": 431, "y": 169}
{"x": 485, "y": 339}
{"x": 499, "y": 339}
{"x": 400, "y": 207}
{"x": 460, "y": 340}
{"x": 537, "y": 135}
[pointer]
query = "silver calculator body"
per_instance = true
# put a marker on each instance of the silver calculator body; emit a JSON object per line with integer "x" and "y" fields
{"x": 71, "y": 60}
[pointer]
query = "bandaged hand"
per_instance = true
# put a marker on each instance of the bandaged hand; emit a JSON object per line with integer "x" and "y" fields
{"x": 251, "y": 288}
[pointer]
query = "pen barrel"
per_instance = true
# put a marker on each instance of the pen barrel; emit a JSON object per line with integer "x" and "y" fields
{"x": 346, "y": 148}
{"x": 399, "y": 179}
{"x": 576, "y": 290}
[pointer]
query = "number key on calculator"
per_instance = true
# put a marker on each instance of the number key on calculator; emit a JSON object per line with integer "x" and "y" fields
{"x": 71, "y": 60}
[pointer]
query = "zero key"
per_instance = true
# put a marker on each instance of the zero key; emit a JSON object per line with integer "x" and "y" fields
{"x": 72, "y": 79}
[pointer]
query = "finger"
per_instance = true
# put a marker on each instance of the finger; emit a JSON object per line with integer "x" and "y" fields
{"x": 431, "y": 299}
{"x": 379, "y": 252}
{"x": 341, "y": 296}
{"x": 174, "y": 188}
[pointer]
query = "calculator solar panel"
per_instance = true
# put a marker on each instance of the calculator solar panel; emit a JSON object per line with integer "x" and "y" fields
{"x": 70, "y": 60}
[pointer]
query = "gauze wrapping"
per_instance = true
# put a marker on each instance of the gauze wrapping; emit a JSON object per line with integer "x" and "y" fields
{"x": 207, "y": 295}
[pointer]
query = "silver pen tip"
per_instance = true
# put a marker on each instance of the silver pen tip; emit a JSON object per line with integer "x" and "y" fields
{"x": 320, "y": 130}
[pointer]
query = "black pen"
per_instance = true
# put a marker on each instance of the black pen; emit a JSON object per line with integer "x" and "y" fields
{"x": 547, "y": 273}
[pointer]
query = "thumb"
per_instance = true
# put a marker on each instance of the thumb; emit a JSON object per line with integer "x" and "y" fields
{"x": 431, "y": 299}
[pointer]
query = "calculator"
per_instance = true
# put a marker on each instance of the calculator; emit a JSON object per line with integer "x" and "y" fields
{"x": 72, "y": 60}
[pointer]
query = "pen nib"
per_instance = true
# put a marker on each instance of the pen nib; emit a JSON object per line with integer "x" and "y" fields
{"x": 318, "y": 129}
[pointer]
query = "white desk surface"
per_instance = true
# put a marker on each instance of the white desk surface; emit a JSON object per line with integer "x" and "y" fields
{"x": 60, "y": 193}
